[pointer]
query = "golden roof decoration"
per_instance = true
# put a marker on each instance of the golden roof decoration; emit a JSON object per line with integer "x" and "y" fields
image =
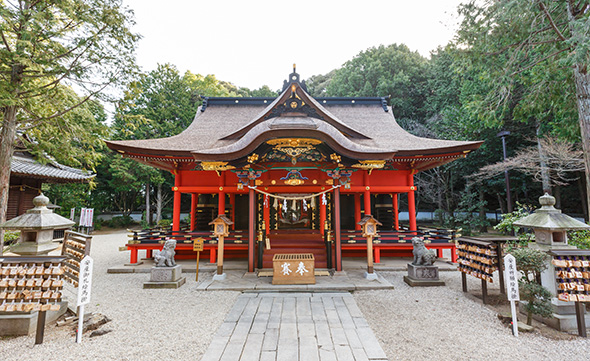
{"x": 216, "y": 166}
{"x": 370, "y": 165}
{"x": 294, "y": 147}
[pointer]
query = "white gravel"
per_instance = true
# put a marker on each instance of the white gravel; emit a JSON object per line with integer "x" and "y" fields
{"x": 175, "y": 324}
{"x": 433, "y": 323}
{"x": 442, "y": 323}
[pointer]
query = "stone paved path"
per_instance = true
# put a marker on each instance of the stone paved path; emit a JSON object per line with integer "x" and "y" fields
{"x": 294, "y": 326}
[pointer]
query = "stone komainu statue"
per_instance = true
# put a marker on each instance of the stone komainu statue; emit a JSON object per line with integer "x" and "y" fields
{"x": 165, "y": 257}
{"x": 422, "y": 255}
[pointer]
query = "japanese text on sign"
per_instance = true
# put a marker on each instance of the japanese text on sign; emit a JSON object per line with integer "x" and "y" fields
{"x": 85, "y": 280}
{"x": 511, "y": 276}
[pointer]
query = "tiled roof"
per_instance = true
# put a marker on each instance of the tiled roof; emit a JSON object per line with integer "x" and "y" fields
{"x": 25, "y": 165}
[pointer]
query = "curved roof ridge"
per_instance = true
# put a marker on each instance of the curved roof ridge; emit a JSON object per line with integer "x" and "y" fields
{"x": 283, "y": 97}
{"x": 264, "y": 131}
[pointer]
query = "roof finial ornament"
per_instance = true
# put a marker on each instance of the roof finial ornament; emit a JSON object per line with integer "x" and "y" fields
{"x": 294, "y": 78}
{"x": 294, "y": 68}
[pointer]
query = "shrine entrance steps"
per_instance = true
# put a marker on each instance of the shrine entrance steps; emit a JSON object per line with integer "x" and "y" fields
{"x": 296, "y": 241}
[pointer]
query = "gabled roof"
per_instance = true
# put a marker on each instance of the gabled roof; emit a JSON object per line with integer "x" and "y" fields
{"x": 23, "y": 164}
{"x": 227, "y": 129}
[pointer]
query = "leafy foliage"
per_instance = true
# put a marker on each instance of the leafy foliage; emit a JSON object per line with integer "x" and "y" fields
{"x": 580, "y": 239}
{"x": 531, "y": 262}
{"x": 506, "y": 226}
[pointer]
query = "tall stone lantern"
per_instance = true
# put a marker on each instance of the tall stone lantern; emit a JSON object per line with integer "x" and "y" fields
{"x": 550, "y": 227}
{"x": 36, "y": 228}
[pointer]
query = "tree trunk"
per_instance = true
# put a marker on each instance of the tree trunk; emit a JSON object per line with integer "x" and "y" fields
{"x": 148, "y": 214}
{"x": 582, "y": 80}
{"x": 7, "y": 138}
{"x": 583, "y": 198}
{"x": 159, "y": 204}
{"x": 546, "y": 181}
{"x": 482, "y": 211}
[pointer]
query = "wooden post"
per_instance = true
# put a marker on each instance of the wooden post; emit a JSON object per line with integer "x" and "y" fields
{"x": 484, "y": 291}
{"x": 337, "y": 229}
{"x": 580, "y": 319}
{"x": 220, "y": 255}
{"x": 370, "y": 254}
{"x": 464, "y": 281}
{"x": 501, "y": 267}
{"x": 198, "y": 256}
{"x": 357, "y": 211}
{"x": 41, "y": 327}
{"x": 194, "y": 202}
{"x": 367, "y": 201}
{"x": 395, "y": 210}
{"x": 176, "y": 210}
{"x": 251, "y": 230}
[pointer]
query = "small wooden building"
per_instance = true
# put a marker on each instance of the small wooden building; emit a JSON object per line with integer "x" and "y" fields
{"x": 27, "y": 175}
{"x": 295, "y": 167}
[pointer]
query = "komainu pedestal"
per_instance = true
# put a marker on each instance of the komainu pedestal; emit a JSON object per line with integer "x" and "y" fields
{"x": 422, "y": 276}
{"x": 165, "y": 277}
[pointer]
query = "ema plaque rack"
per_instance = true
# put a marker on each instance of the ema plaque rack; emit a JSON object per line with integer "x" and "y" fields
{"x": 30, "y": 284}
{"x": 75, "y": 247}
{"x": 572, "y": 278}
{"x": 480, "y": 259}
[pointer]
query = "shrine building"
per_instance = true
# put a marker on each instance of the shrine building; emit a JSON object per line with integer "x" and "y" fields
{"x": 294, "y": 173}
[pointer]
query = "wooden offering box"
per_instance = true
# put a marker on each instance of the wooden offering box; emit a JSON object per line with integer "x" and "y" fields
{"x": 293, "y": 269}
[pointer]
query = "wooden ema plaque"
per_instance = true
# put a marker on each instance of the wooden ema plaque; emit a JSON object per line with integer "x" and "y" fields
{"x": 293, "y": 269}
{"x": 75, "y": 247}
{"x": 31, "y": 283}
{"x": 478, "y": 259}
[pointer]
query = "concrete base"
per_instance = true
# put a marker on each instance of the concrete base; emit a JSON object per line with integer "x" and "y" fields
{"x": 220, "y": 277}
{"x": 371, "y": 276}
{"x": 422, "y": 276}
{"x": 173, "y": 284}
{"x": 422, "y": 283}
{"x": 34, "y": 248}
{"x": 133, "y": 264}
{"x": 25, "y": 323}
{"x": 165, "y": 277}
{"x": 340, "y": 274}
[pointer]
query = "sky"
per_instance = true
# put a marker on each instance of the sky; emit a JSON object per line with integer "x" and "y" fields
{"x": 256, "y": 42}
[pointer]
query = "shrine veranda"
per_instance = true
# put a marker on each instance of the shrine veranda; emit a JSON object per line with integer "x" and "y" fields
{"x": 294, "y": 174}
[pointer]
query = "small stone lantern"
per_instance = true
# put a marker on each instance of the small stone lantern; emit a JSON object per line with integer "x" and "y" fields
{"x": 369, "y": 226}
{"x": 550, "y": 225}
{"x": 36, "y": 228}
{"x": 220, "y": 230}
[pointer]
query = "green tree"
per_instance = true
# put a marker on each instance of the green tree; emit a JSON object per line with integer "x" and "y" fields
{"x": 538, "y": 53}
{"x": 44, "y": 43}
{"x": 382, "y": 71}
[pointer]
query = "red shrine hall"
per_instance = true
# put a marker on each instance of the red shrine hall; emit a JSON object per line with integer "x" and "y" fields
{"x": 294, "y": 174}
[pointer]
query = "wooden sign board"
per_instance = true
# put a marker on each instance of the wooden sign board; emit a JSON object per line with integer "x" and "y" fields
{"x": 198, "y": 244}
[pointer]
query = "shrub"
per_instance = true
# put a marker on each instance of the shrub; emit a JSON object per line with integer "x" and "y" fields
{"x": 531, "y": 262}
{"x": 121, "y": 222}
{"x": 10, "y": 237}
{"x": 165, "y": 223}
{"x": 580, "y": 239}
{"x": 506, "y": 226}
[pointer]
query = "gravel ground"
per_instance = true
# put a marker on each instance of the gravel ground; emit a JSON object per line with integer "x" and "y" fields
{"x": 443, "y": 323}
{"x": 411, "y": 323}
{"x": 146, "y": 324}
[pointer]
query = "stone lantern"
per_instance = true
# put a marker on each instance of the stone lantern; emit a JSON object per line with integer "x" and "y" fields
{"x": 550, "y": 227}
{"x": 36, "y": 228}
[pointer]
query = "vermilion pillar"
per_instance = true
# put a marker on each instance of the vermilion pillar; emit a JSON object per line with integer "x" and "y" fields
{"x": 337, "y": 245}
{"x": 194, "y": 203}
{"x": 412, "y": 203}
{"x": 176, "y": 205}
{"x": 232, "y": 202}
{"x": 221, "y": 203}
{"x": 357, "y": 211}
{"x": 367, "y": 194}
{"x": 394, "y": 198}
{"x": 322, "y": 215}
{"x": 266, "y": 213}
{"x": 251, "y": 230}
